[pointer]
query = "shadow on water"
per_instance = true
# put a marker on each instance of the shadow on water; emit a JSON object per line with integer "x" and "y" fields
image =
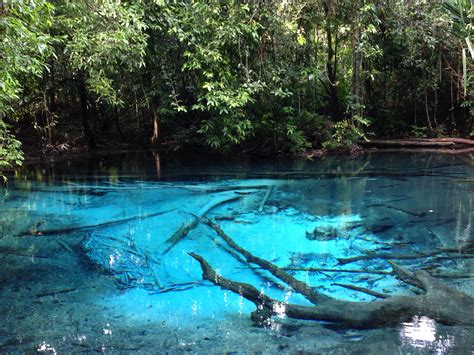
{"x": 94, "y": 252}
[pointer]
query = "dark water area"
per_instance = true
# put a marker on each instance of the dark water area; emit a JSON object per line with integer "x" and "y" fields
{"x": 94, "y": 253}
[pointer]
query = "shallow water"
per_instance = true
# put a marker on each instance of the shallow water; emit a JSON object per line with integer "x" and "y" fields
{"x": 91, "y": 259}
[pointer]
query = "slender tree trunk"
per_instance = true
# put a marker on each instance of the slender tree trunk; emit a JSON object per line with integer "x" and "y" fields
{"x": 356, "y": 65}
{"x": 49, "y": 118}
{"x": 117, "y": 125}
{"x": 331, "y": 63}
{"x": 88, "y": 134}
{"x": 156, "y": 128}
{"x": 156, "y": 155}
{"x": 428, "y": 120}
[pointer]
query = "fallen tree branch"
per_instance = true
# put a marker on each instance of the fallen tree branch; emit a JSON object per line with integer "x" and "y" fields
{"x": 89, "y": 226}
{"x": 449, "y": 151}
{"x": 414, "y": 214}
{"x": 26, "y": 253}
{"x": 258, "y": 270}
{"x": 279, "y": 273}
{"x": 386, "y": 256}
{"x": 363, "y": 290}
{"x": 419, "y": 142}
{"x": 265, "y": 198}
{"x": 64, "y": 245}
{"x": 55, "y": 292}
{"x": 190, "y": 224}
{"x": 440, "y": 302}
{"x": 317, "y": 269}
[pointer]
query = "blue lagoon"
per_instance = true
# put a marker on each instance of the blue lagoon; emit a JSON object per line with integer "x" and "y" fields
{"x": 103, "y": 254}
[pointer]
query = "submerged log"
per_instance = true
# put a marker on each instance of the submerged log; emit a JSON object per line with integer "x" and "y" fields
{"x": 363, "y": 290}
{"x": 279, "y": 273}
{"x": 419, "y": 142}
{"x": 350, "y": 271}
{"x": 466, "y": 247}
{"x": 55, "y": 292}
{"x": 193, "y": 221}
{"x": 44, "y": 232}
{"x": 265, "y": 198}
{"x": 439, "y": 302}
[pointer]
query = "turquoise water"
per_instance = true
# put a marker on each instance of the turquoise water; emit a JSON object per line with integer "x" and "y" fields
{"x": 93, "y": 258}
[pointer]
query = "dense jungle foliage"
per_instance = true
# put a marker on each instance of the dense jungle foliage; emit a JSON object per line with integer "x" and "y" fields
{"x": 255, "y": 76}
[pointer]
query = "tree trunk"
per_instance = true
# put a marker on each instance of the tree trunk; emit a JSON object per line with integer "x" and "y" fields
{"x": 88, "y": 134}
{"x": 356, "y": 66}
{"x": 331, "y": 62}
{"x": 156, "y": 129}
{"x": 117, "y": 125}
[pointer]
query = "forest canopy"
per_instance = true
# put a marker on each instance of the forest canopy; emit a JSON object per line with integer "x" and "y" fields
{"x": 277, "y": 76}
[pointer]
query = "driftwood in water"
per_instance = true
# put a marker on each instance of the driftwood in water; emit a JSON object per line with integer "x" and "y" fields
{"x": 435, "y": 273}
{"x": 193, "y": 221}
{"x": 265, "y": 198}
{"x": 449, "y": 151}
{"x": 279, "y": 273}
{"x": 466, "y": 247}
{"x": 411, "y": 213}
{"x": 351, "y": 271}
{"x": 420, "y": 142}
{"x": 440, "y": 302}
{"x": 64, "y": 245}
{"x": 26, "y": 253}
{"x": 363, "y": 290}
{"x": 55, "y": 292}
{"x": 39, "y": 232}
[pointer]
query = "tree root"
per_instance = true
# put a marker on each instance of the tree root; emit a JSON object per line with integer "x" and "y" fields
{"x": 439, "y": 302}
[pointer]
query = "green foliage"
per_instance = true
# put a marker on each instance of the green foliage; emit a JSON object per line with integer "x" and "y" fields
{"x": 216, "y": 38}
{"x": 24, "y": 48}
{"x": 105, "y": 40}
{"x": 419, "y": 132}
{"x": 10, "y": 149}
{"x": 279, "y": 76}
{"x": 346, "y": 134}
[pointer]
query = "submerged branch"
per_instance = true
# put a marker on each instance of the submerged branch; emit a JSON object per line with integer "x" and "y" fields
{"x": 265, "y": 198}
{"x": 90, "y": 226}
{"x": 466, "y": 247}
{"x": 363, "y": 290}
{"x": 355, "y": 271}
{"x": 279, "y": 273}
{"x": 440, "y": 302}
{"x": 189, "y": 225}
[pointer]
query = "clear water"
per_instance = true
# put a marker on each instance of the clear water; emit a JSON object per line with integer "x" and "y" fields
{"x": 86, "y": 267}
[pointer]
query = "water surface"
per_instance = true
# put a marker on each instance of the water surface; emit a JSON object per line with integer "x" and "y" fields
{"x": 93, "y": 258}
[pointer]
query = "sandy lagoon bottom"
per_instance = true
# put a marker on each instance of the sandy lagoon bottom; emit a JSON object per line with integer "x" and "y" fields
{"x": 97, "y": 317}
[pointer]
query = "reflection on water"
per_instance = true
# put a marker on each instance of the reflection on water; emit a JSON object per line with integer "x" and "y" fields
{"x": 46, "y": 348}
{"x": 421, "y": 333}
{"x": 94, "y": 253}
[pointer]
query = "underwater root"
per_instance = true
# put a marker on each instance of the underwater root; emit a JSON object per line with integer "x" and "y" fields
{"x": 438, "y": 301}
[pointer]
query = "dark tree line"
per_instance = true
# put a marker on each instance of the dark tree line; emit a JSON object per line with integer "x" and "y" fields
{"x": 276, "y": 76}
